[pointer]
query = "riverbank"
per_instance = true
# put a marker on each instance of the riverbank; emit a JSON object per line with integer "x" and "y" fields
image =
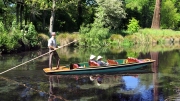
{"x": 121, "y": 39}
{"x": 142, "y": 37}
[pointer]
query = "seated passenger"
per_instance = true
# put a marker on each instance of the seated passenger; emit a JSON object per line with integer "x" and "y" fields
{"x": 75, "y": 66}
{"x": 92, "y": 61}
{"x": 100, "y": 62}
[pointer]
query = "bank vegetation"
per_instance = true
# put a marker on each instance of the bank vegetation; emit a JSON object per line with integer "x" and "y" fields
{"x": 26, "y": 25}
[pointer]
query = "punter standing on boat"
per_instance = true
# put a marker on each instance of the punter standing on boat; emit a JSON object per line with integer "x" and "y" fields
{"x": 52, "y": 49}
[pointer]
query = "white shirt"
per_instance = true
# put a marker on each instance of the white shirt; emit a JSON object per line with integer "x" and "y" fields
{"x": 52, "y": 42}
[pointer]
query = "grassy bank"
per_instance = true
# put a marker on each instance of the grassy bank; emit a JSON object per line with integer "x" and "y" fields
{"x": 142, "y": 37}
{"x": 24, "y": 41}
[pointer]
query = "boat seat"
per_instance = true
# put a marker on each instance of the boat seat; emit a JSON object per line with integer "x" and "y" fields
{"x": 121, "y": 61}
{"x": 84, "y": 64}
{"x": 112, "y": 62}
{"x": 133, "y": 60}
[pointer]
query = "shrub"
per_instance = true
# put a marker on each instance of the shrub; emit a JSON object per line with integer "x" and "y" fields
{"x": 93, "y": 36}
{"x": 133, "y": 26}
{"x": 43, "y": 39}
{"x": 30, "y": 36}
{"x": 9, "y": 41}
{"x": 65, "y": 38}
{"x": 116, "y": 39}
{"x": 2, "y": 29}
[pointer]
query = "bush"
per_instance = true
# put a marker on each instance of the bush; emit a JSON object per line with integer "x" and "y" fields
{"x": 65, "y": 38}
{"x": 9, "y": 41}
{"x": 116, "y": 39}
{"x": 93, "y": 36}
{"x": 16, "y": 39}
{"x": 2, "y": 29}
{"x": 30, "y": 36}
{"x": 43, "y": 39}
{"x": 133, "y": 26}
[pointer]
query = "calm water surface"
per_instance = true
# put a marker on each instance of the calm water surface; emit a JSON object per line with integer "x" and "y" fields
{"x": 156, "y": 82}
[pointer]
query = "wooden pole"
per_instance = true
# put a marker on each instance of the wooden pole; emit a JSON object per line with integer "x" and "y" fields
{"x": 35, "y": 58}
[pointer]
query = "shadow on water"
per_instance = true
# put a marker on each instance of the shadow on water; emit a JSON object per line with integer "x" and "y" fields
{"x": 158, "y": 82}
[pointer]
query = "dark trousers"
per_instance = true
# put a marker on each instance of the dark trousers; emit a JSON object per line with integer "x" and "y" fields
{"x": 55, "y": 55}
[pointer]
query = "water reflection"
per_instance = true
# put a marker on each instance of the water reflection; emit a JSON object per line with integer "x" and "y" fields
{"x": 131, "y": 86}
{"x": 54, "y": 82}
{"x": 19, "y": 89}
{"x": 97, "y": 87}
{"x": 163, "y": 84}
{"x": 154, "y": 67}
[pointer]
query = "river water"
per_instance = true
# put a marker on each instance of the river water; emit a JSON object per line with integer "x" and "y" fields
{"x": 156, "y": 82}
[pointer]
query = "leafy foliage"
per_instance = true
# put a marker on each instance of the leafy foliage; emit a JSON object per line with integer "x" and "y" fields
{"x": 100, "y": 19}
{"x": 110, "y": 13}
{"x": 93, "y": 35}
{"x": 140, "y": 10}
{"x": 13, "y": 40}
{"x": 9, "y": 41}
{"x": 133, "y": 26}
{"x": 2, "y": 29}
{"x": 116, "y": 39}
{"x": 170, "y": 18}
{"x": 136, "y": 4}
{"x": 30, "y": 36}
{"x": 65, "y": 38}
{"x": 106, "y": 17}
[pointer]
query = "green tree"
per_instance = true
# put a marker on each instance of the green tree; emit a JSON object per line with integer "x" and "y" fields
{"x": 136, "y": 4}
{"x": 110, "y": 13}
{"x": 65, "y": 11}
{"x": 7, "y": 13}
{"x": 171, "y": 17}
{"x": 142, "y": 10}
{"x": 133, "y": 25}
{"x": 107, "y": 17}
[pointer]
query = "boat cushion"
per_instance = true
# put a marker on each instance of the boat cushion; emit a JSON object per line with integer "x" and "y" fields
{"x": 112, "y": 62}
{"x": 133, "y": 60}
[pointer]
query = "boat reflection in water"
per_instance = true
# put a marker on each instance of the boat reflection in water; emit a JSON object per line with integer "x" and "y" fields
{"x": 96, "y": 87}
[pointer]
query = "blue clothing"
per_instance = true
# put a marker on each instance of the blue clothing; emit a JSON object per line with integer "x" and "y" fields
{"x": 101, "y": 63}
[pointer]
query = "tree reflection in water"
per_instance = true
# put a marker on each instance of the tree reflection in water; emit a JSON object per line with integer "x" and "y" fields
{"x": 158, "y": 87}
{"x": 94, "y": 87}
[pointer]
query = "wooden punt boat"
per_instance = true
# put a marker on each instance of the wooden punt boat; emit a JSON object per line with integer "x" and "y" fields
{"x": 121, "y": 66}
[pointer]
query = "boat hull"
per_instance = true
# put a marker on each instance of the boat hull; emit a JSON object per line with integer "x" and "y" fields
{"x": 100, "y": 70}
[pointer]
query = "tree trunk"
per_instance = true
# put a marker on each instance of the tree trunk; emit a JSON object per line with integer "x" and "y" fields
{"x": 156, "y": 17}
{"x": 26, "y": 14}
{"x": 79, "y": 13}
{"x": 21, "y": 13}
{"x": 44, "y": 20}
{"x": 52, "y": 17}
{"x": 17, "y": 12}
